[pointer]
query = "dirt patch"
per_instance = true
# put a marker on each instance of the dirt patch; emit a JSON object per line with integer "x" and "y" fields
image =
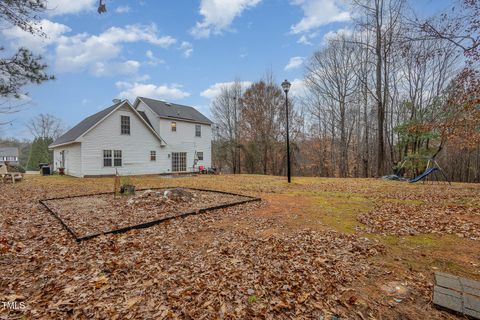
{"x": 405, "y": 219}
{"x": 94, "y": 214}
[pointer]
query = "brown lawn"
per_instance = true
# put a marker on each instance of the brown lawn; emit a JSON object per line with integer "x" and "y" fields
{"x": 353, "y": 248}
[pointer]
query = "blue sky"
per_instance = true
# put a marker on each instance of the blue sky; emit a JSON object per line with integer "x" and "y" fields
{"x": 179, "y": 51}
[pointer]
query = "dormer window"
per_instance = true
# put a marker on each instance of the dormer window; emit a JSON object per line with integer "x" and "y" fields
{"x": 198, "y": 130}
{"x": 125, "y": 125}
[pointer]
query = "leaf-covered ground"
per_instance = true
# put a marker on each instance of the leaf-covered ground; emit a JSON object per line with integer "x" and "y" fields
{"x": 354, "y": 249}
{"x": 99, "y": 213}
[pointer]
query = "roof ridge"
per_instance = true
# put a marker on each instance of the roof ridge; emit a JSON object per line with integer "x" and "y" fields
{"x": 84, "y": 125}
{"x": 168, "y": 102}
{"x": 165, "y": 109}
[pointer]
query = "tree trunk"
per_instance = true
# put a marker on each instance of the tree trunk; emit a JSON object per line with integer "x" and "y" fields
{"x": 343, "y": 142}
{"x": 380, "y": 106}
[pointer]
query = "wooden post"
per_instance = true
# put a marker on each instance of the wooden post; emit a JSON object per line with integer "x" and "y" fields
{"x": 116, "y": 185}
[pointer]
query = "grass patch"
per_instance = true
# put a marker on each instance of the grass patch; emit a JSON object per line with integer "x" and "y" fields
{"x": 339, "y": 210}
{"x": 427, "y": 240}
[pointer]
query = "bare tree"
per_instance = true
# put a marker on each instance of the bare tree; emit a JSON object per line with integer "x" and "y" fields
{"x": 226, "y": 109}
{"x": 330, "y": 73}
{"x": 46, "y": 126}
{"x": 382, "y": 19}
{"x": 460, "y": 27}
{"x": 387, "y": 91}
{"x": 263, "y": 103}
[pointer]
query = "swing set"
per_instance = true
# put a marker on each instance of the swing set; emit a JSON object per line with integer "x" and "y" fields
{"x": 432, "y": 170}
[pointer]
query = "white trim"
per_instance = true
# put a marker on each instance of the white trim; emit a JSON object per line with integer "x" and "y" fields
{"x": 63, "y": 144}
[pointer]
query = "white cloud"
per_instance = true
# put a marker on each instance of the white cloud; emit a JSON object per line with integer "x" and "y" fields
{"x": 128, "y": 67}
{"x": 304, "y": 40}
{"x": 134, "y": 33}
{"x": 20, "y": 38}
{"x": 95, "y": 53}
{"x": 187, "y": 49}
{"x": 149, "y": 54}
{"x": 319, "y": 12}
{"x": 218, "y": 15}
{"x": 58, "y": 7}
{"x": 307, "y": 38}
{"x": 214, "y": 90}
{"x": 122, "y": 9}
{"x": 294, "y": 63}
{"x": 164, "y": 92}
{"x": 298, "y": 88}
{"x": 82, "y": 50}
{"x": 152, "y": 60}
{"x": 347, "y": 32}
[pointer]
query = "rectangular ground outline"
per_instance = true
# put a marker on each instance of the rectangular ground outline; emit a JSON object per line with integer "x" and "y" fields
{"x": 148, "y": 223}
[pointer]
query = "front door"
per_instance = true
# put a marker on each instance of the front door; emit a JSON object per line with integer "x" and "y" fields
{"x": 179, "y": 161}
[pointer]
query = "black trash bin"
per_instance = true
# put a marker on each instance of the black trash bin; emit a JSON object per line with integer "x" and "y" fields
{"x": 41, "y": 165}
{"x": 46, "y": 171}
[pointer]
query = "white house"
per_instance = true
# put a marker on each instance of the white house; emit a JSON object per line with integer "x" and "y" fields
{"x": 9, "y": 154}
{"x": 150, "y": 137}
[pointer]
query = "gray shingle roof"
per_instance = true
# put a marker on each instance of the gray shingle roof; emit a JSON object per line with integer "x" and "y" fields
{"x": 9, "y": 152}
{"x": 175, "y": 111}
{"x": 83, "y": 126}
{"x": 144, "y": 116}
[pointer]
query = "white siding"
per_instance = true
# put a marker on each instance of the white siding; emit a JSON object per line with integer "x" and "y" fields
{"x": 85, "y": 158}
{"x": 184, "y": 140}
{"x": 73, "y": 156}
{"x": 135, "y": 147}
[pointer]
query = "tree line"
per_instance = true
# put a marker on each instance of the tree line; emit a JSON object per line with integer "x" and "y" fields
{"x": 44, "y": 128}
{"x": 391, "y": 90}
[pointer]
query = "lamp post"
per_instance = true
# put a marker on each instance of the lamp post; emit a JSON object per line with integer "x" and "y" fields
{"x": 286, "y": 87}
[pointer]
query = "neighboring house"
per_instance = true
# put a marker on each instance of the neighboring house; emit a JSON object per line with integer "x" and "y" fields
{"x": 150, "y": 137}
{"x": 9, "y": 154}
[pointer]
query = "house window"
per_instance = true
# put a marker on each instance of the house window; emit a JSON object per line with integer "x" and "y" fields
{"x": 198, "y": 130}
{"x": 112, "y": 158}
{"x": 107, "y": 158}
{"x": 153, "y": 155}
{"x": 174, "y": 126}
{"x": 125, "y": 124}
{"x": 200, "y": 156}
{"x": 117, "y": 158}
